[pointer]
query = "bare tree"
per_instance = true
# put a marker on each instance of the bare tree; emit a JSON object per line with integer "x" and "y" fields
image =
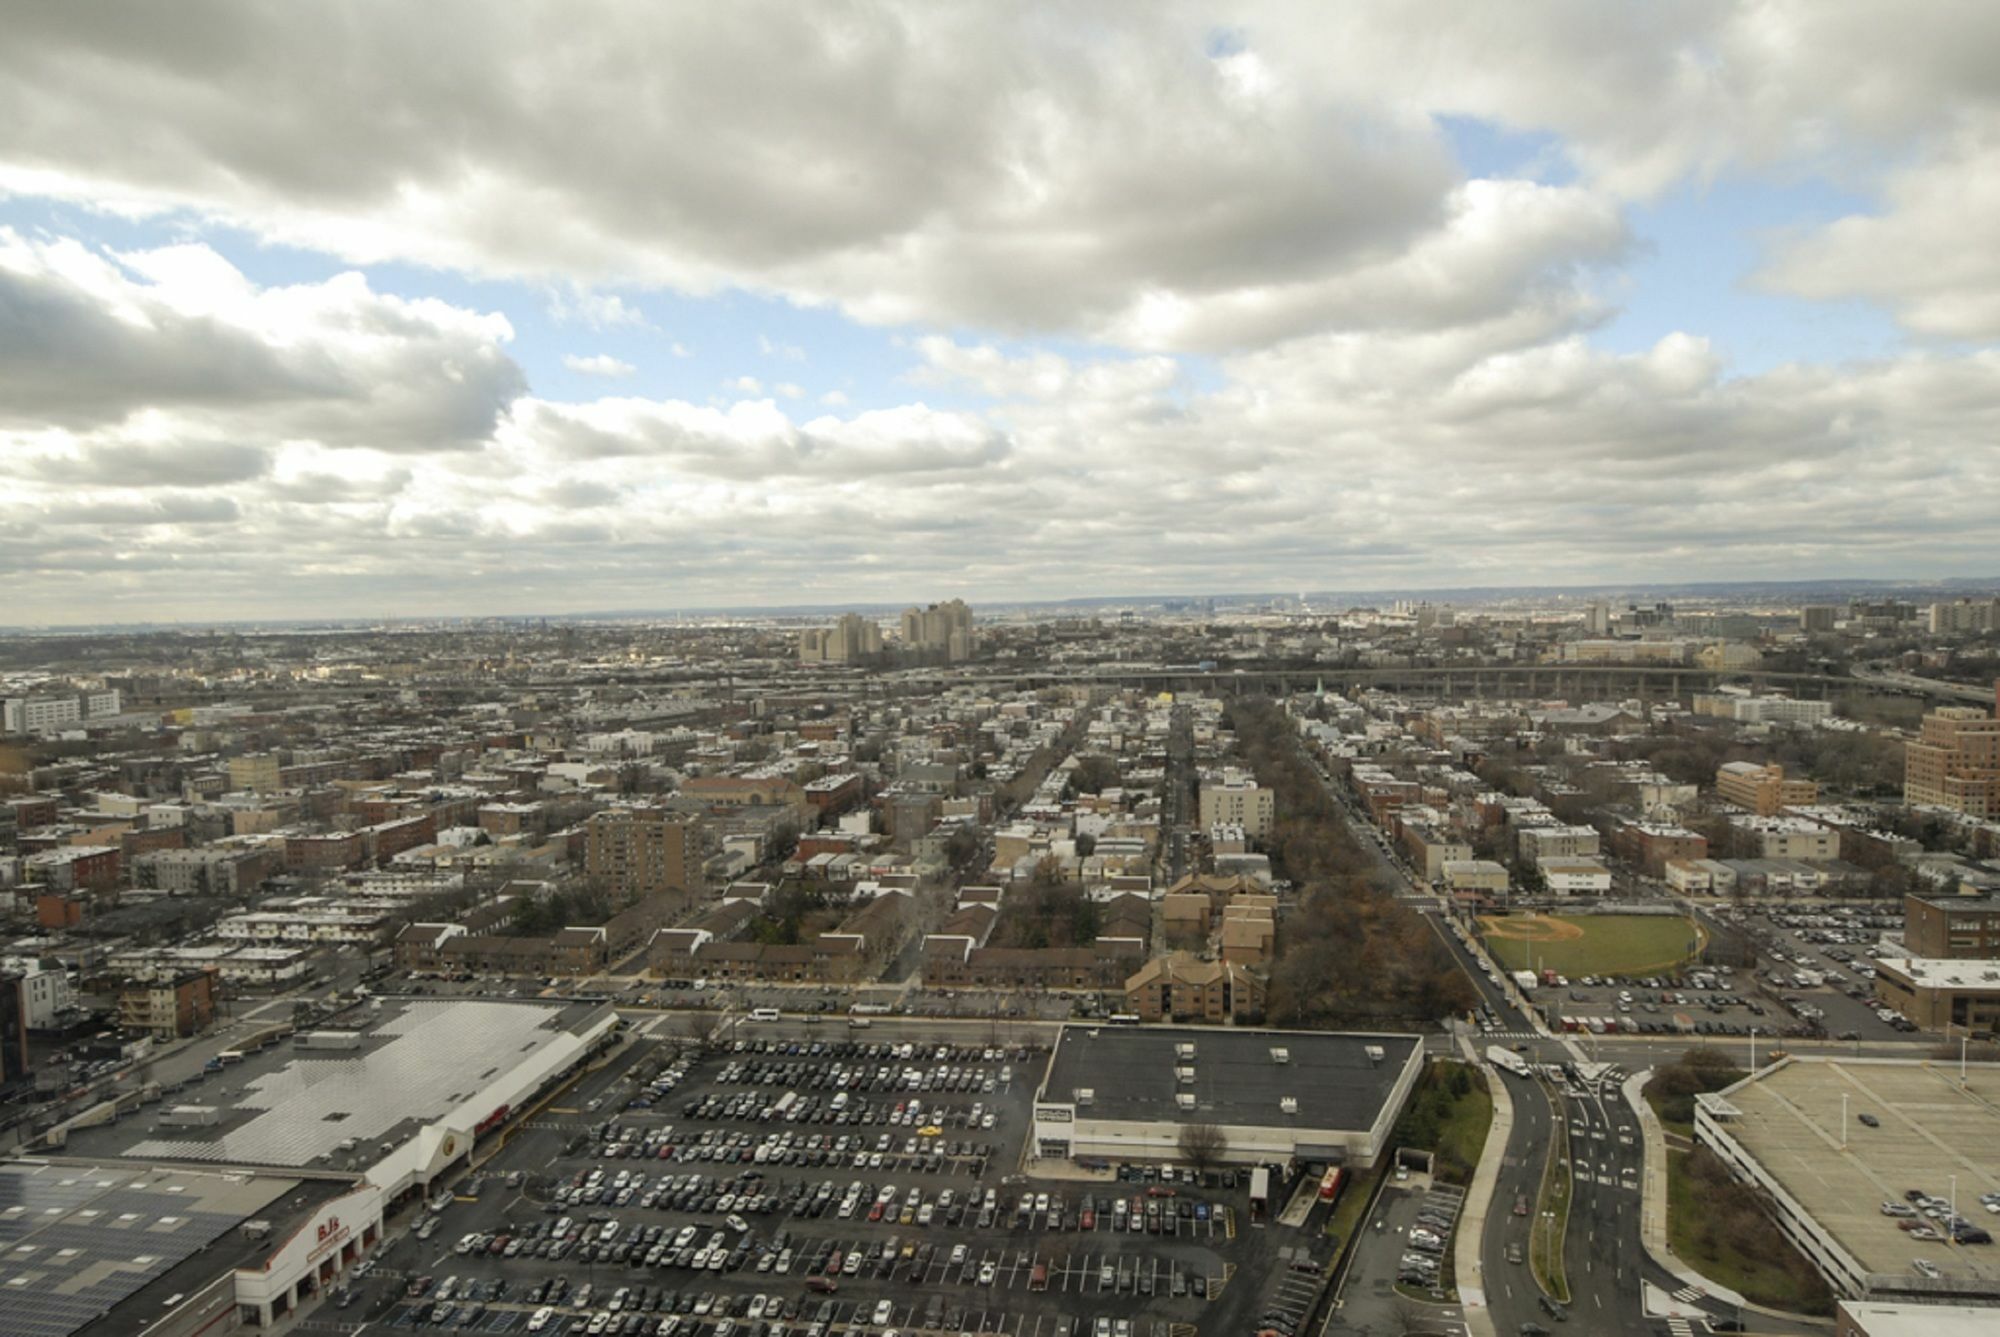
{"x": 700, "y": 1028}
{"x": 1414, "y": 1317}
{"x": 1202, "y": 1145}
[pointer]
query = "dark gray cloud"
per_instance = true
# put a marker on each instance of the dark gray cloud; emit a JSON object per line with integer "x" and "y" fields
{"x": 116, "y": 463}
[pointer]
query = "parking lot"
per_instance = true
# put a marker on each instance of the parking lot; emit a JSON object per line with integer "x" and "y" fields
{"x": 1813, "y": 978}
{"x": 814, "y": 1186}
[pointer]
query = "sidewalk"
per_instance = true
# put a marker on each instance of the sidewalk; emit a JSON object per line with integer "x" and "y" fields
{"x": 1653, "y": 1196}
{"x": 1472, "y": 1221}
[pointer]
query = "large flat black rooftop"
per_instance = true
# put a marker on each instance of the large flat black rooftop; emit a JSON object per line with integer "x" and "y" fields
{"x": 1133, "y": 1074}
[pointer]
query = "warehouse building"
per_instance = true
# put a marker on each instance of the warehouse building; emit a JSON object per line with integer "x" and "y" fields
{"x": 1125, "y": 1093}
{"x": 357, "y": 1120}
{"x": 1795, "y": 1132}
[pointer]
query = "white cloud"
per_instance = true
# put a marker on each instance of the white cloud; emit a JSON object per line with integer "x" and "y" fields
{"x": 975, "y": 166}
{"x": 748, "y": 385}
{"x": 1341, "y": 461}
{"x": 1917, "y": 256}
{"x": 596, "y": 310}
{"x": 962, "y": 164}
{"x": 599, "y": 364}
{"x": 834, "y": 399}
{"x": 91, "y": 338}
{"x": 1042, "y": 375}
{"x": 786, "y": 352}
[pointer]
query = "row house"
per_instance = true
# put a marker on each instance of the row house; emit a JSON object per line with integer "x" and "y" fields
{"x": 1104, "y": 964}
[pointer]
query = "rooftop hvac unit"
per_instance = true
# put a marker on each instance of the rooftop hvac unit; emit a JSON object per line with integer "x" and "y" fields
{"x": 1289, "y": 1104}
{"x": 1085, "y": 1096}
{"x": 1185, "y": 1100}
{"x": 1375, "y": 1053}
{"x": 1185, "y": 1051}
{"x": 1184, "y": 1074}
{"x": 1281, "y": 1056}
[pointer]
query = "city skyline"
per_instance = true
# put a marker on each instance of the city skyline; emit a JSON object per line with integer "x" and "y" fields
{"x": 419, "y": 314}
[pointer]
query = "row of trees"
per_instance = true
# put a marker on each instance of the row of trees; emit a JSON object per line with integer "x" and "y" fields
{"x": 1349, "y": 952}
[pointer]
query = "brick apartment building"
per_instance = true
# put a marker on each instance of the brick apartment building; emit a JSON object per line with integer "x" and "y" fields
{"x": 1764, "y": 790}
{"x": 1181, "y": 987}
{"x": 639, "y": 852}
{"x": 334, "y": 852}
{"x": 1102, "y": 965}
{"x": 169, "y": 1009}
{"x": 1955, "y": 762}
{"x": 1650, "y": 845}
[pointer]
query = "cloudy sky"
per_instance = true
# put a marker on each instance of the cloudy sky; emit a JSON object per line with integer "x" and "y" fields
{"x": 383, "y": 309}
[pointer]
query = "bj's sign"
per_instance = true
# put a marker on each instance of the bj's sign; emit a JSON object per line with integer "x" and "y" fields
{"x": 331, "y": 1234}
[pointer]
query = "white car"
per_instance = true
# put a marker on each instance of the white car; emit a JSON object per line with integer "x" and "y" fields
{"x": 884, "y": 1311}
{"x": 540, "y": 1318}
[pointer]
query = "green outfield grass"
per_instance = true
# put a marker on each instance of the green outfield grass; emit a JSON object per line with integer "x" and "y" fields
{"x": 1594, "y": 944}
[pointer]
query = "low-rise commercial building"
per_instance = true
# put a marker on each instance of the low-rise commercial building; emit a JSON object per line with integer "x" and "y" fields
{"x": 1939, "y": 994}
{"x": 1125, "y": 1093}
{"x": 1576, "y": 877}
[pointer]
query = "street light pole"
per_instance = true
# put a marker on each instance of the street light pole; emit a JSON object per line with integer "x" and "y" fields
{"x": 1843, "y": 1121}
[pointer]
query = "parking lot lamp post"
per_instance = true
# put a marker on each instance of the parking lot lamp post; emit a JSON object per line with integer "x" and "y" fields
{"x": 1961, "y": 1057}
{"x": 1951, "y": 1224}
{"x": 1843, "y": 1121}
{"x": 1753, "y": 1051}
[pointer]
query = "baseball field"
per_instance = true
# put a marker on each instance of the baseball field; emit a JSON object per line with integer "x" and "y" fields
{"x": 1592, "y": 944}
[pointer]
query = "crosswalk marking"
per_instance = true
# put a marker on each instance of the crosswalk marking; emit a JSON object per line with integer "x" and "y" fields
{"x": 1689, "y": 1294}
{"x": 1680, "y": 1327}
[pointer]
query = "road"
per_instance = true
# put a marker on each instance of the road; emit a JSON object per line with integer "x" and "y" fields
{"x": 1605, "y": 1259}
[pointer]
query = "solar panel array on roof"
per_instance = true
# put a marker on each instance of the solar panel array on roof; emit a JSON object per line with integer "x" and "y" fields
{"x": 437, "y": 1054}
{"x": 76, "y": 1240}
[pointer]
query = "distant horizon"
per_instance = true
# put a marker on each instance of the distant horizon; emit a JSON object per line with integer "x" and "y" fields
{"x": 1467, "y": 595}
